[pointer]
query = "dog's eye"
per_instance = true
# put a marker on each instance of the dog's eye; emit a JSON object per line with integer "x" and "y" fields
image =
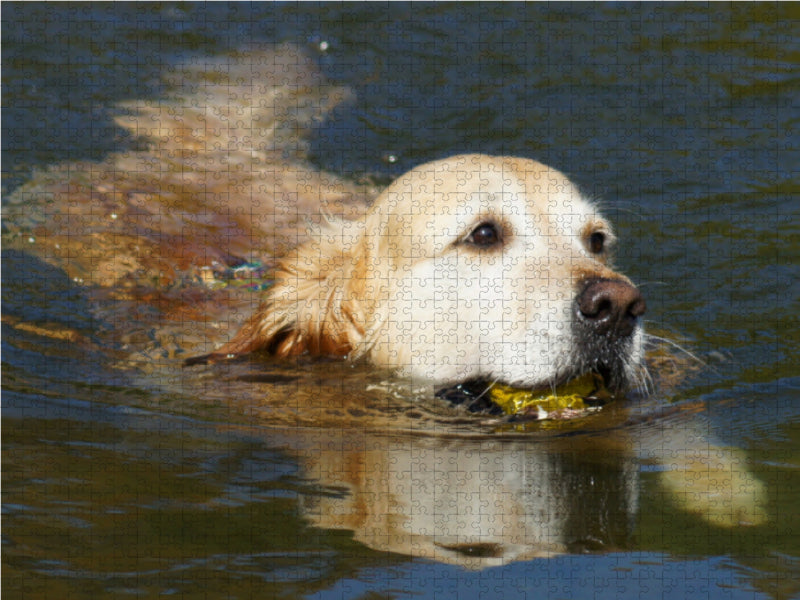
{"x": 484, "y": 235}
{"x": 597, "y": 242}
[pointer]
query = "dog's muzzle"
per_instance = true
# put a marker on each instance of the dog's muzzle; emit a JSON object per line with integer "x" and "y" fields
{"x": 606, "y": 316}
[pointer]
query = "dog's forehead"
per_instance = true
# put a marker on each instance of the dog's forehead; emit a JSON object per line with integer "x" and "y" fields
{"x": 469, "y": 187}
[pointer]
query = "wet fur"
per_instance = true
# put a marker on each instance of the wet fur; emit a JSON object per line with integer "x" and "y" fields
{"x": 398, "y": 285}
{"x": 404, "y": 289}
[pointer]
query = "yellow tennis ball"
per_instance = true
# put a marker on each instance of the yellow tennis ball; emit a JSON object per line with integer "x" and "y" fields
{"x": 569, "y": 395}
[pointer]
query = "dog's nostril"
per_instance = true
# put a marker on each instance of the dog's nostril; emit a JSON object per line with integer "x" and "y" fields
{"x": 611, "y": 306}
{"x": 601, "y": 310}
{"x": 637, "y": 308}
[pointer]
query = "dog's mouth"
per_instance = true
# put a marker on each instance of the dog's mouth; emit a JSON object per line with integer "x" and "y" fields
{"x": 565, "y": 399}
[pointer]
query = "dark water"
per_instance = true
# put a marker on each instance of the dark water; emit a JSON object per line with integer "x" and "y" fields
{"x": 124, "y": 475}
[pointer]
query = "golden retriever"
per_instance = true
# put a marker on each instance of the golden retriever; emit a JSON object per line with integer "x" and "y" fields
{"x": 469, "y": 267}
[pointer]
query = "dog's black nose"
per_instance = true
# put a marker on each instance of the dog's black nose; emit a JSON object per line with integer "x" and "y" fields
{"x": 610, "y": 307}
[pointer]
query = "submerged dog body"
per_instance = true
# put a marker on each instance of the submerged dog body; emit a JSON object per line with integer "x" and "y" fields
{"x": 468, "y": 267}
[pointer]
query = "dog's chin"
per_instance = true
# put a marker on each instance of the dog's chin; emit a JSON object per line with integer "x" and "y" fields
{"x": 617, "y": 360}
{"x": 611, "y": 379}
{"x": 618, "y": 373}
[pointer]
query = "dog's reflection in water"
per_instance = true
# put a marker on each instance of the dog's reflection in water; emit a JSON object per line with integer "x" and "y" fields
{"x": 487, "y": 502}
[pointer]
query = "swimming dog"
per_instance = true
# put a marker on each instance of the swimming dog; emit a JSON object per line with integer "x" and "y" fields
{"x": 471, "y": 267}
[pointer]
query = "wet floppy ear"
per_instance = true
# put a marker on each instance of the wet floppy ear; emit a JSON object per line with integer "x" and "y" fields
{"x": 322, "y": 309}
{"x": 315, "y": 305}
{"x": 270, "y": 328}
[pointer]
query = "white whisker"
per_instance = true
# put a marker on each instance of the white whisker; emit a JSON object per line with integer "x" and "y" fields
{"x": 651, "y": 337}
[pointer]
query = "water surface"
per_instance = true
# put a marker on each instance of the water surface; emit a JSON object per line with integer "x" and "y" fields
{"x": 126, "y": 475}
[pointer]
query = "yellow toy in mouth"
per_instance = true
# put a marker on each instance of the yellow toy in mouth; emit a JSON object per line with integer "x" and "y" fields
{"x": 571, "y": 399}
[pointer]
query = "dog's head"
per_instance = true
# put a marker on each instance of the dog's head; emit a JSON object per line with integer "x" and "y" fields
{"x": 469, "y": 267}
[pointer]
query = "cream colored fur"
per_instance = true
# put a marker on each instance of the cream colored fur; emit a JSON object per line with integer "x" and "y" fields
{"x": 404, "y": 288}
